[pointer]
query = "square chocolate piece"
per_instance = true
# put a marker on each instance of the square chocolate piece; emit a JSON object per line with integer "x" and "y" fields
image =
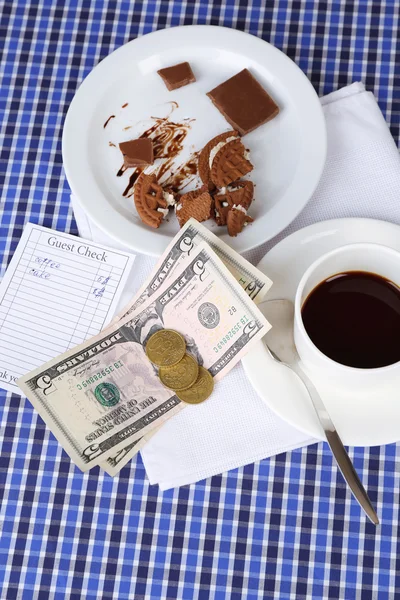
{"x": 137, "y": 153}
{"x": 244, "y": 102}
{"x": 177, "y": 76}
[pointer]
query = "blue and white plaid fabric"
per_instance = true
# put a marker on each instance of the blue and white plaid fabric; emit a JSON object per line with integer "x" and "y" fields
{"x": 284, "y": 528}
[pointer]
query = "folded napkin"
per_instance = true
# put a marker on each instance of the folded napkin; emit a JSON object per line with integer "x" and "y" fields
{"x": 234, "y": 427}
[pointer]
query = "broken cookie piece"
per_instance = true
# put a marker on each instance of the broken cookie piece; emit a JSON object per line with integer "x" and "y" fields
{"x": 243, "y": 102}
{"x": 197, "y": 204}
{"x": 221, "y": 208}
{"x": 239, "y": 193}
{"x": 237, "y": 218}
{"x": 229, "y": 163}
{"x": 137, "y": 153}
{"x": 177, "y": 76}
{"x": 150, "y": 202}
{"x": 208, "y": 153}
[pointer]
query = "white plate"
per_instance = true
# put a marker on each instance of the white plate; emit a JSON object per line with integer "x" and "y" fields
{"x": 368, "y": 418}
{"x": 288, "y": 153}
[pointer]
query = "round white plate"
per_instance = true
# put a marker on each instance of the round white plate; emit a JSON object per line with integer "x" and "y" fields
{"x": 288, "y": 153}
{"x": 372, "y": 416}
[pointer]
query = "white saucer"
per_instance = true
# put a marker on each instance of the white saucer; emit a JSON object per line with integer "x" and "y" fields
{"x": 372, "y": 416}
{"x": 288, "y": 153}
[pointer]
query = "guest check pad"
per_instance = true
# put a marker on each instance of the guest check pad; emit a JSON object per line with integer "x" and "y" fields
{"x": 58, "y": 291}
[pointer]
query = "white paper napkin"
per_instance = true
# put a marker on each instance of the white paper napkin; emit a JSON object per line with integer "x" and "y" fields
{"x": 234, "y": 427}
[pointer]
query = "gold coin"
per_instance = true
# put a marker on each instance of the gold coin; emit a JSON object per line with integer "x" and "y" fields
{"x": 180, "y": 376}
{"x": 200, "y": 390}
{"x": 166, "y": 348}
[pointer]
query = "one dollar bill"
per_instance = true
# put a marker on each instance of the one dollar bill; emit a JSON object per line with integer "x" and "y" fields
{"x": 104, "y": 394}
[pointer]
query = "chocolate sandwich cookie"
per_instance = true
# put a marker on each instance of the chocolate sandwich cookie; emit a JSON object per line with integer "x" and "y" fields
{"x": 149, "y": 200}
{"x": 237, "y": 218}
{"x": 239, "y": 193}
{"x": 208, "y": 154}
{"x": 197, "y": 204}
{"x": 243, "y": 102}
{"x": 229, "y": 164}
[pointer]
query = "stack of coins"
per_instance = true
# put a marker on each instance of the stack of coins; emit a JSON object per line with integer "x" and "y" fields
{"x": 179, "y": 371}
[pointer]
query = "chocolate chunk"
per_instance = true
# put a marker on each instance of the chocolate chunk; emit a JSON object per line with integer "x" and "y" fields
{"x": 137, "y": 153}
{"x": 204, "y": 158}
{"x": 229, "y": 164}
{"x": 149, "y": 200}
{"x": 244, "y": 102}
{"x": 237, "y": 218}
{"x": 197, "y": 204}
{"x": 239, "y": 193}
{"x": 177, "y": 76}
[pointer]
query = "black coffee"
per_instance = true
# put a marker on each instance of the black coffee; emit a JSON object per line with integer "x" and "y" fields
{"x": 354, "y": 319}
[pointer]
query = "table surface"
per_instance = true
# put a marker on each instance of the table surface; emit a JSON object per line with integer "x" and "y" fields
{"x": 284, "y": 528}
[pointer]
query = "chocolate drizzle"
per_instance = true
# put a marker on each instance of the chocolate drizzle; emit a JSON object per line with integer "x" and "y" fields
{"x": 124, "y": 105}
{"x": 121, "y": 171}
{"x": 108, "y": 120}
{"x": 168, "y": 138}
{"x": 183, "y": 175}
{"x": 132, "y": 180}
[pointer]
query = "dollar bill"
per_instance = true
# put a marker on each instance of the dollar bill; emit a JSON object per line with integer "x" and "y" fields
{"x": 105, "y": 394}
{"x": 180, "y": 250}
{"x": 252, "y": 280}
{"x": 115, "y": 463}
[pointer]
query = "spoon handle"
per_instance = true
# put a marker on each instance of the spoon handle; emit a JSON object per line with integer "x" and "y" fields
{"x": 336, "y": 445}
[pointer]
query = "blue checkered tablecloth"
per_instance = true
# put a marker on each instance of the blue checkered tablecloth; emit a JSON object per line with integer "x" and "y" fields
{"x": 283, "y": 528}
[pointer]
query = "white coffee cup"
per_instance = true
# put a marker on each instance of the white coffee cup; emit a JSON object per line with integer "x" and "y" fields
{"x": 373, "y": 258}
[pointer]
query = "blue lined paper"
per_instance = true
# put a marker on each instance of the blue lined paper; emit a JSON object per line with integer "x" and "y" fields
{"x": 57, "y": 291}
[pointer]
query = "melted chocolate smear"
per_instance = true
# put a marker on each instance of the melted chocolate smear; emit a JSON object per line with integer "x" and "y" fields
{"x": 128, "y": 191}
{"x": 184, "y": 174}
{"x": 174, "y": 106}
{"x": 124, "y": 105}
{"x": 168, "y": 138}
{"x": 121, "y": 171}
{"x": 108, "y": 120}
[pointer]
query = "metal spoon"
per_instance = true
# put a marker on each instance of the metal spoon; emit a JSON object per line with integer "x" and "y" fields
{"x": 280, "y": 343}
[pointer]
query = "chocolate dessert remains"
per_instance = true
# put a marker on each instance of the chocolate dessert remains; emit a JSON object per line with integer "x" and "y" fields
{"x": 238, "y": 194}
{"x": 221, "y": 165}
{"x": 229, "y": 163}
{"x": 150, "y": 202}
{"x": 177, "y": 76}
{"x": 208, "y": 153}
{"x": 197, "y": 204}
{"x": 137, "y": 153}
{"x": 224, "y": 196}
{"x": 243, "y": 102}
{"x": 236, "y": 219}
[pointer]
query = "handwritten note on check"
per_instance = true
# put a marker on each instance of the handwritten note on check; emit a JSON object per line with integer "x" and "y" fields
{"x": 58, "y": 291}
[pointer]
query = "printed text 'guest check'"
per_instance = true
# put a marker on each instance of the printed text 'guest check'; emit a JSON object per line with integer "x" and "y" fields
{"x": 57, "y": 291}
